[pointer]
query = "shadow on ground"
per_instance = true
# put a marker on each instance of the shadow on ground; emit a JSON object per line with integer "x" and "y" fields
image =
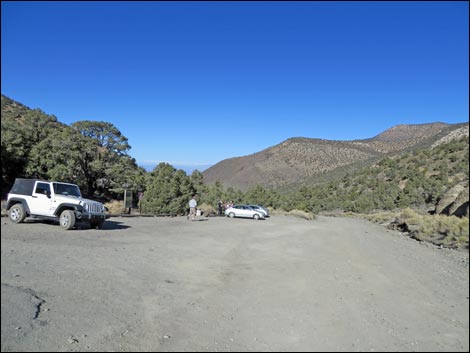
{"x": 108, "y": 225}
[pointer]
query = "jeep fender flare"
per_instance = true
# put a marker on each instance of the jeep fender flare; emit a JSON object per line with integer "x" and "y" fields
{"x": 67, "y": 206}
{"x": 15, "y": 200}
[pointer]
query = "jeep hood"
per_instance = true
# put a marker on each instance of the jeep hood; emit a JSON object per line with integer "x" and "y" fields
{"x": 73, "y": 199}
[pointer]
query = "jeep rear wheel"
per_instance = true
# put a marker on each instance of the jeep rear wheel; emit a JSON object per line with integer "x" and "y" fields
{"x": 17, "y": 213}
{"x": 67, "y": 219}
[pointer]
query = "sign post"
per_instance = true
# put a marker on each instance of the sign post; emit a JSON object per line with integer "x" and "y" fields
{"x": 141, "y": 197}
{"x": 128, "y": 200}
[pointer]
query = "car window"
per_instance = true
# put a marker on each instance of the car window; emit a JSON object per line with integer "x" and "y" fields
{"x": 67, "y": 189}
{"x": 42, "y": 188}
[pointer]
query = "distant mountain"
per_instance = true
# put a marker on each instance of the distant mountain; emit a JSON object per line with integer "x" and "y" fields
{"x": 188, "y": 169}
{"x": 299, "y": 159}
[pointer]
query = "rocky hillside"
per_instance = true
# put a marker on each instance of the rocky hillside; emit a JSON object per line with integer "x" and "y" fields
{"x": 452, "y": 135}
{"x": 433, "y": 180}
{"x": 286, "y": 163}
{"x": 301, "y": 159}
{"x": 401, "y": 137}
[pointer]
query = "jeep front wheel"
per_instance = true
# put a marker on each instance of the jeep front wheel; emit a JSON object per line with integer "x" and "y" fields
{"x": 17, "y": 213}
{"x": 67, "y": 219}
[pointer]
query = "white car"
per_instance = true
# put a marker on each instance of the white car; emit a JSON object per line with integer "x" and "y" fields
{"x": 243, "y": 211}
{"x": 260, "y": 209}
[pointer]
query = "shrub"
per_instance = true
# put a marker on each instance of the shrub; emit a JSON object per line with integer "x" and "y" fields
{"x": 381, "y": 217}
{"x": 410, "y": 216}
{"x": 114, "y": 206}
{"x": 449, "y": 231}
{"x": 207, "y": 209}
{"x": 302, "y": 214}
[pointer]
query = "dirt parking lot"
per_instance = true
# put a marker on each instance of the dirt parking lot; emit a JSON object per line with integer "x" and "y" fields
{"x": 220, "y": 284}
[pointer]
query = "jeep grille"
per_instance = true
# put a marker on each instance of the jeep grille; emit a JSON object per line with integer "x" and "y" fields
{"x": 93, "y": 207}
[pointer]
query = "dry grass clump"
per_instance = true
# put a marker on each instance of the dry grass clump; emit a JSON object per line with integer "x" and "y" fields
{"x": 115, "y": 206}
{"x": 448, "y": 231}
{"x": 382, "y": 217}
{"x": 296, "y": 213}
{"x": 207, "y": 209}
{"x": 302, "y": 214}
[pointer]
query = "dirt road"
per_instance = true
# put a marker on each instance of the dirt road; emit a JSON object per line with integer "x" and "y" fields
{"x": 220, "y": 284}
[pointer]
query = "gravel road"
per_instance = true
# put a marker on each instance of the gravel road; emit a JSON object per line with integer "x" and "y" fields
{"x": 220, "y": 284}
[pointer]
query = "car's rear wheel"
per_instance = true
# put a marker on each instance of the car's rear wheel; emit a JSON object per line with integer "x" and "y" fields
{"x": 17, "y": 213}
{"x": 231, "y": 215}
{"x": 67, "y": 219}
{"x": 256, "y": 216}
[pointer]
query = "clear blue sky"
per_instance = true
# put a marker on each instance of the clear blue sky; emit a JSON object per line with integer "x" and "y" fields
{"x": 198, "y": 82}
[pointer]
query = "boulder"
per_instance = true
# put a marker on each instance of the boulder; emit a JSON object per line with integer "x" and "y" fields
{"x": 460, "y": 206}
{"x": 453, "y": 200}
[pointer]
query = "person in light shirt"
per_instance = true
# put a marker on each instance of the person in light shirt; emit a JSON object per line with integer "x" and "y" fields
{"x": 192, "y": 208}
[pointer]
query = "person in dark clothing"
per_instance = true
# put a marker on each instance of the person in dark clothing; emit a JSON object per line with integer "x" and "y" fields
{"x": 220, "y": 208}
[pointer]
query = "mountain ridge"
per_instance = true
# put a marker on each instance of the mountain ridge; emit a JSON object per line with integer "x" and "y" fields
{"x": 299, "y": 159}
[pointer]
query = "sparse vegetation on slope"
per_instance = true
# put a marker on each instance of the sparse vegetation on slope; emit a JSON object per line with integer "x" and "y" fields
{"x": 417, "y": 180}
{"x": 298, "y": 161}
{"x": 400, "y": 137}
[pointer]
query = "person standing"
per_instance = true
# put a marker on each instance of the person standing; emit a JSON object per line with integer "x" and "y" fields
{"x": 192, "y": 208}
{"x": 219, "y": 208}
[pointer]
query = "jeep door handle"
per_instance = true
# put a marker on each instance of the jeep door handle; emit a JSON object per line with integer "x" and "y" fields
{"x": 34, "y": 197}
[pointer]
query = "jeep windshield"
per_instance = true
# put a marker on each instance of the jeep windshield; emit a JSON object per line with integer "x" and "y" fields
{"x": 66, "y": 189}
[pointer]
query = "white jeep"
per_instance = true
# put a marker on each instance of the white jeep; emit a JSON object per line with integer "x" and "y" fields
{"x": 53, "y": 200}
